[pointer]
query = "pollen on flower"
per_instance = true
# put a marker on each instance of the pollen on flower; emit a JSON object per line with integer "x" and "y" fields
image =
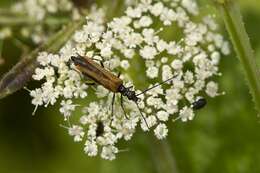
{"x": 133, "y": 38}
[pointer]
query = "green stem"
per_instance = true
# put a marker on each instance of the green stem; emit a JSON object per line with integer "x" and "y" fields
{"x": 21, "y": 73}
{"x": 16, "y": 20}
{"x": 235, "y": 26}
{"x": 162, "y": 155}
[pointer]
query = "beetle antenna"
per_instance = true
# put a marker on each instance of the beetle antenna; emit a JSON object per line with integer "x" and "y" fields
{"x": 148, "y": 89}
{"x": 142, "y": 114}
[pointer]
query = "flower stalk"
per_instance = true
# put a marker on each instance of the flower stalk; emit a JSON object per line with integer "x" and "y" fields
{"x": 230, "y": 12}
{"x": 21, "y": 73}
{"x": 21, "y": 20}
{"x": 162, "y": 155}
{"x": 12, "y": 19}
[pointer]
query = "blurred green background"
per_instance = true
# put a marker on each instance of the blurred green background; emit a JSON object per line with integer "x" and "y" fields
{"x": 224, "y": 137}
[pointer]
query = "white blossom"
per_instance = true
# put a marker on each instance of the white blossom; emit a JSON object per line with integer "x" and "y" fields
{"x": 148, "y": 52}
{"x": 186, "y": 114}
{"x": 161, "y": 131}
{"x": 212, "y": 89}
{"x": 132, "y": 39}
{"x": 66, "y": 108}
{"x": 163, "y": 115}
{"x": 77, "y": 132}
{"x": 109, "y": 152}
{"x": 152, "y": 72}
{"x": 91, "y": 148}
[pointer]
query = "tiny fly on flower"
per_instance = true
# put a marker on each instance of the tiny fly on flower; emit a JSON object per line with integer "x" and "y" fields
{"x": 113, "y": 83}
{"x": 199, "y": 104}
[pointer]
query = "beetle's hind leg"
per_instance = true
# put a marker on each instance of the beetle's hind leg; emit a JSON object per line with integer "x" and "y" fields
{"x": 122, "y": 106}
{"x": 100, "y": 61}
{"x": 112, "y": 105}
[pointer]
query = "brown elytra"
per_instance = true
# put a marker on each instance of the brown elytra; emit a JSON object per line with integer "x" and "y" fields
{"x": 97, "y": 73}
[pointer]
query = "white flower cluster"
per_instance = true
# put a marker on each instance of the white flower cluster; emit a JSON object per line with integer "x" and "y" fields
{"x": 193, "y": 60}
{"x": 39, "y": 9}
{"x": 39, "y": 14}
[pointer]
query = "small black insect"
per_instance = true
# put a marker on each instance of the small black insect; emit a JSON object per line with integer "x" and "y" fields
{"x": 199, "y": 104}
{"x": 100, "y": 129}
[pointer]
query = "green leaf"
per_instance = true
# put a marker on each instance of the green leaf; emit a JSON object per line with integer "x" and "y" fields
{"x": 237, "y": 32}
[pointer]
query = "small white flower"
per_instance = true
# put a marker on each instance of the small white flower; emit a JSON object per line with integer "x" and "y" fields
{"x": 37, "y": 97}
{"x": 108, "y": 152}
{"x": 84, "y": 119}
{"x": 148, "y": 122}
{"x": 191, "y": 6}
{"x": 150, "y": 38}
{"x": 134, "y": 12}
{"x": 80, "y": 91}
{"x": 106, "y": 51}
{"x": 148, "y": 52}
{"x": 186, "y": 114}
{"x": 129, "y": 53}
{"x": 157, "y": 9}
{"x": 77, "y": 132}
{"x": 177, "y": 64}
{"x": 43, "y": 58}
{"x": 125, "y": 64}
{"x": 166, "y": 72}
{"x": 66, "y": 108}
{"x": 173, "y": 48}
{"x": 39, "y": 74}
{"x": 145, "y": 21}
{"x": 162, "y": 115}
{"x": 212, "y": 89}
{"x": 215, "y": 57}
{"x": 91, "y": 148}
{"x": 161, "y": 131}
{"x": 161, "y": 45}
{"x": 152, "y": 72}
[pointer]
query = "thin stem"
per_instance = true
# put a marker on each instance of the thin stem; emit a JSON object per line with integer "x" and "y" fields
{"x": 14, "y": 20}
{"x": 162, "y": 155}
{"x": 236, "y": 29}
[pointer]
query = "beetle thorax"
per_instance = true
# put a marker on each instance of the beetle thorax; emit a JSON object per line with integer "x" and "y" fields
{"x": 131, "y": 95}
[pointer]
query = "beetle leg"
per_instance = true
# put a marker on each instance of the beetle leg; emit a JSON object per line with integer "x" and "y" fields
{"x": 112, "y": 106}
{"x": 100, "y": 61}
{"x": 122, "y": 106}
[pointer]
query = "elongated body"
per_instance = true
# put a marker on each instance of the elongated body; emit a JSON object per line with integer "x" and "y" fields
{"x": 100, "y": 75}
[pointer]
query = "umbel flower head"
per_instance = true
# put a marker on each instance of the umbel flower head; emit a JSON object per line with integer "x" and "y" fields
{"x": 137, "y": 37}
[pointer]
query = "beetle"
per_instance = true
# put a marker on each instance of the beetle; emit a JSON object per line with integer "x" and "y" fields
{"x": 100, "y": 75}
{"x": 100, "y": 129}
{"x": 113, "y": 83}
{"x": 199, "y": 104}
